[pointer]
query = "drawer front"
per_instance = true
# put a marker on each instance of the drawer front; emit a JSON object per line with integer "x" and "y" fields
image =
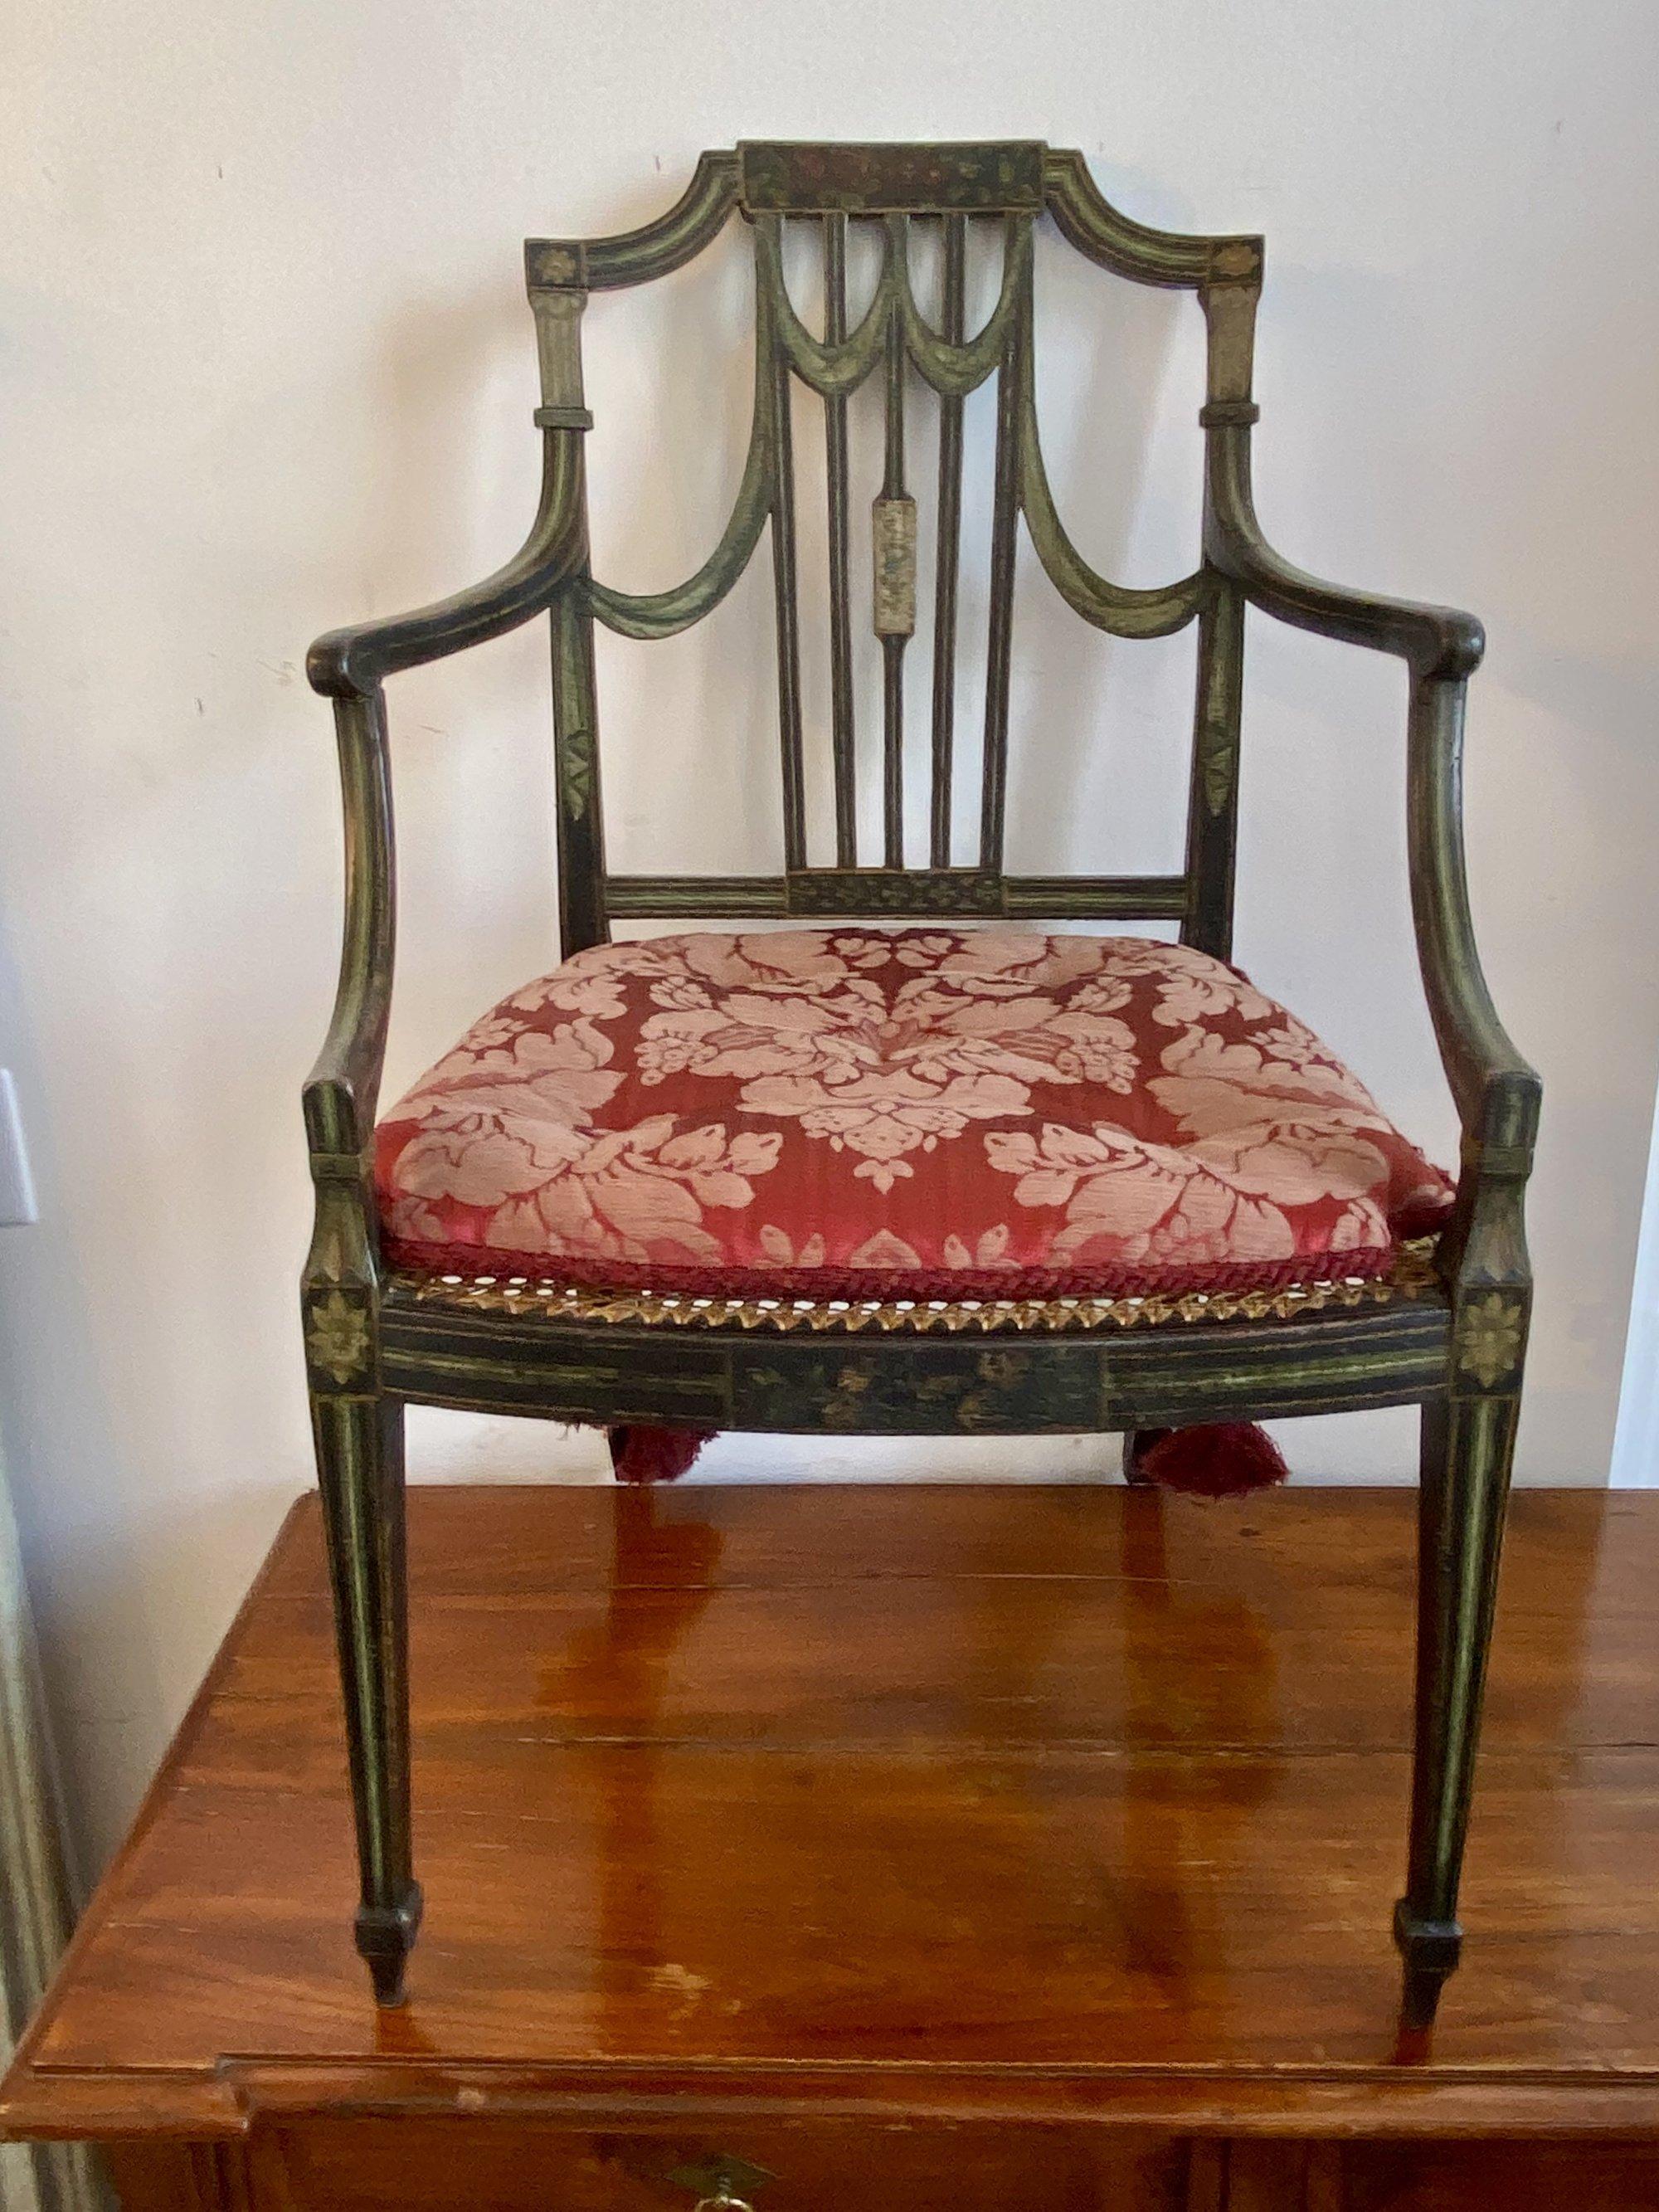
{"x": 460, "y": 2164}
{"x": 421, "y": 2164}
{"x": 1540, "y": 2177}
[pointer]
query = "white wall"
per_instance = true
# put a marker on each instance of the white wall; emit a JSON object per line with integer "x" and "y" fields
{"x": 1635, "y": 1464}
{"x": 265, "y": 366}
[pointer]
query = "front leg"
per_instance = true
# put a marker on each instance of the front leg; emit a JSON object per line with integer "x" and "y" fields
{"x": 1468, "y": 1448}
{"x": 360, "y": 1467}
{"x": 359, "y": 1434}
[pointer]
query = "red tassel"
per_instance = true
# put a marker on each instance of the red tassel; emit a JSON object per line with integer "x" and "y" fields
{"x": 642, "y": 1452}
{"x": 1218, "y": 1459}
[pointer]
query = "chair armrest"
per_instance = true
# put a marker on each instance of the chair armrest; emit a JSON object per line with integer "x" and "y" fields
{"x": 1435, "y": 641}
{"x": 350, "y": 663}
{"x": 1498, "y": 1094}
{"x": 341, "y": 1092}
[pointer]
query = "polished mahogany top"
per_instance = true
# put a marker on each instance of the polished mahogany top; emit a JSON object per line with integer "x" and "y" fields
{"x": 1006, "y": 1800}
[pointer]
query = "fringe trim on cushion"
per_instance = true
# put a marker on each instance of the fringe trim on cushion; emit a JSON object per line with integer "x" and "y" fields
{"x": 1216, "y": 1459}
{"x": 643, "y": 1451}
{"x": 1364, "y": 1264}
{"x": 1414, "y": 1275}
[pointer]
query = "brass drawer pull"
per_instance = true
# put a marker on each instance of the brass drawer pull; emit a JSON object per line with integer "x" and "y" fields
{"x": 723, "y": 2185}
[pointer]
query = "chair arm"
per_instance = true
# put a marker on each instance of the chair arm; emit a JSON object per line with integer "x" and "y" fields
{"x": 1435, "y": 641}
{"x": 1496, "y": 1093}
{"x": 342, "y": 1089}
{"x": 350, "y": 663}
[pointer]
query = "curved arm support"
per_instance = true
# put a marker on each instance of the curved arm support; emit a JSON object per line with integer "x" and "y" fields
{"x": 1437, "y": 642}
{"x": 1496, "y": 1093}
{"x": 342, "y": 1089}
{"x": 350, "y": 663}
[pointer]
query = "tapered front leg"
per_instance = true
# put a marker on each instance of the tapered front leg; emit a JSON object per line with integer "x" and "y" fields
{"x": 359, "y": 1464}
{"x": 1468, "y": 1444}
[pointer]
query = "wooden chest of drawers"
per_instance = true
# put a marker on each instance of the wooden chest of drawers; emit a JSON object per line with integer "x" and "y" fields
{"x": 947, "y": 1848}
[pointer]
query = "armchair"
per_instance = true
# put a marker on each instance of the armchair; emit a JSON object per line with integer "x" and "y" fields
{"x": 950, "y": 1172}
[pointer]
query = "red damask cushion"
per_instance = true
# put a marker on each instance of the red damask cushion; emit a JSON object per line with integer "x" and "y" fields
{"x": 926, "y": 1113}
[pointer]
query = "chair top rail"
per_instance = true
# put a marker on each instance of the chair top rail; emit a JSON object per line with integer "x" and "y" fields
{"x": 996, "y": 177}
{"x": 792, "y": 177}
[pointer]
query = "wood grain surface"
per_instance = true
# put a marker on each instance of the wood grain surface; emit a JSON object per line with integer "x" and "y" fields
{"x": 869, "y": 1804}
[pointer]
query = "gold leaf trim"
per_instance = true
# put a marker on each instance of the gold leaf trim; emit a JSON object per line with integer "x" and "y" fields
{"x": 1412, "y": 1277}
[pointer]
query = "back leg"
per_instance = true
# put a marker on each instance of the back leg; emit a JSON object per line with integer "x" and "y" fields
{"x": 1136, "y": 1444}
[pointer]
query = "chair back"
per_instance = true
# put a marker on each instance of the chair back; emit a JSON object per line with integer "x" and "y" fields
{"x": 997, "y": 192}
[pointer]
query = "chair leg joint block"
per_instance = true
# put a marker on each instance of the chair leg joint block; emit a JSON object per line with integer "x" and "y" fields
{"x": 385, "y": 1936}
{"x": 1428, "y": 1947}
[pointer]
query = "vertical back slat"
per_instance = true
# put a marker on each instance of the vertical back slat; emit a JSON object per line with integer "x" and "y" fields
{"x": 1004, "y": 520}
{"x": 947, "y": 566}
{"x": 784, "y": 587}
{"x": 842, "y": 727}
{"x": 894, "y": 642}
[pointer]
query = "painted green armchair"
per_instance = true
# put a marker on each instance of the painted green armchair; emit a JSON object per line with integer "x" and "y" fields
{"x": 914, "y": 1163}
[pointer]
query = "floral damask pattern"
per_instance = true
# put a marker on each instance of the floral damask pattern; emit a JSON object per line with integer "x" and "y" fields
{"x": 922, "y": 1111}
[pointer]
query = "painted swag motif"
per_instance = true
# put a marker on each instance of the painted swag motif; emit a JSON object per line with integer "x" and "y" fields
{"x": 914, "y": 1112}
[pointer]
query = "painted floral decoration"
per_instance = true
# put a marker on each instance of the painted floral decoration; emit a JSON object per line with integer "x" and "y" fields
{"x": 337, "y": 1337}
{"x": 1489, "y": 1337}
